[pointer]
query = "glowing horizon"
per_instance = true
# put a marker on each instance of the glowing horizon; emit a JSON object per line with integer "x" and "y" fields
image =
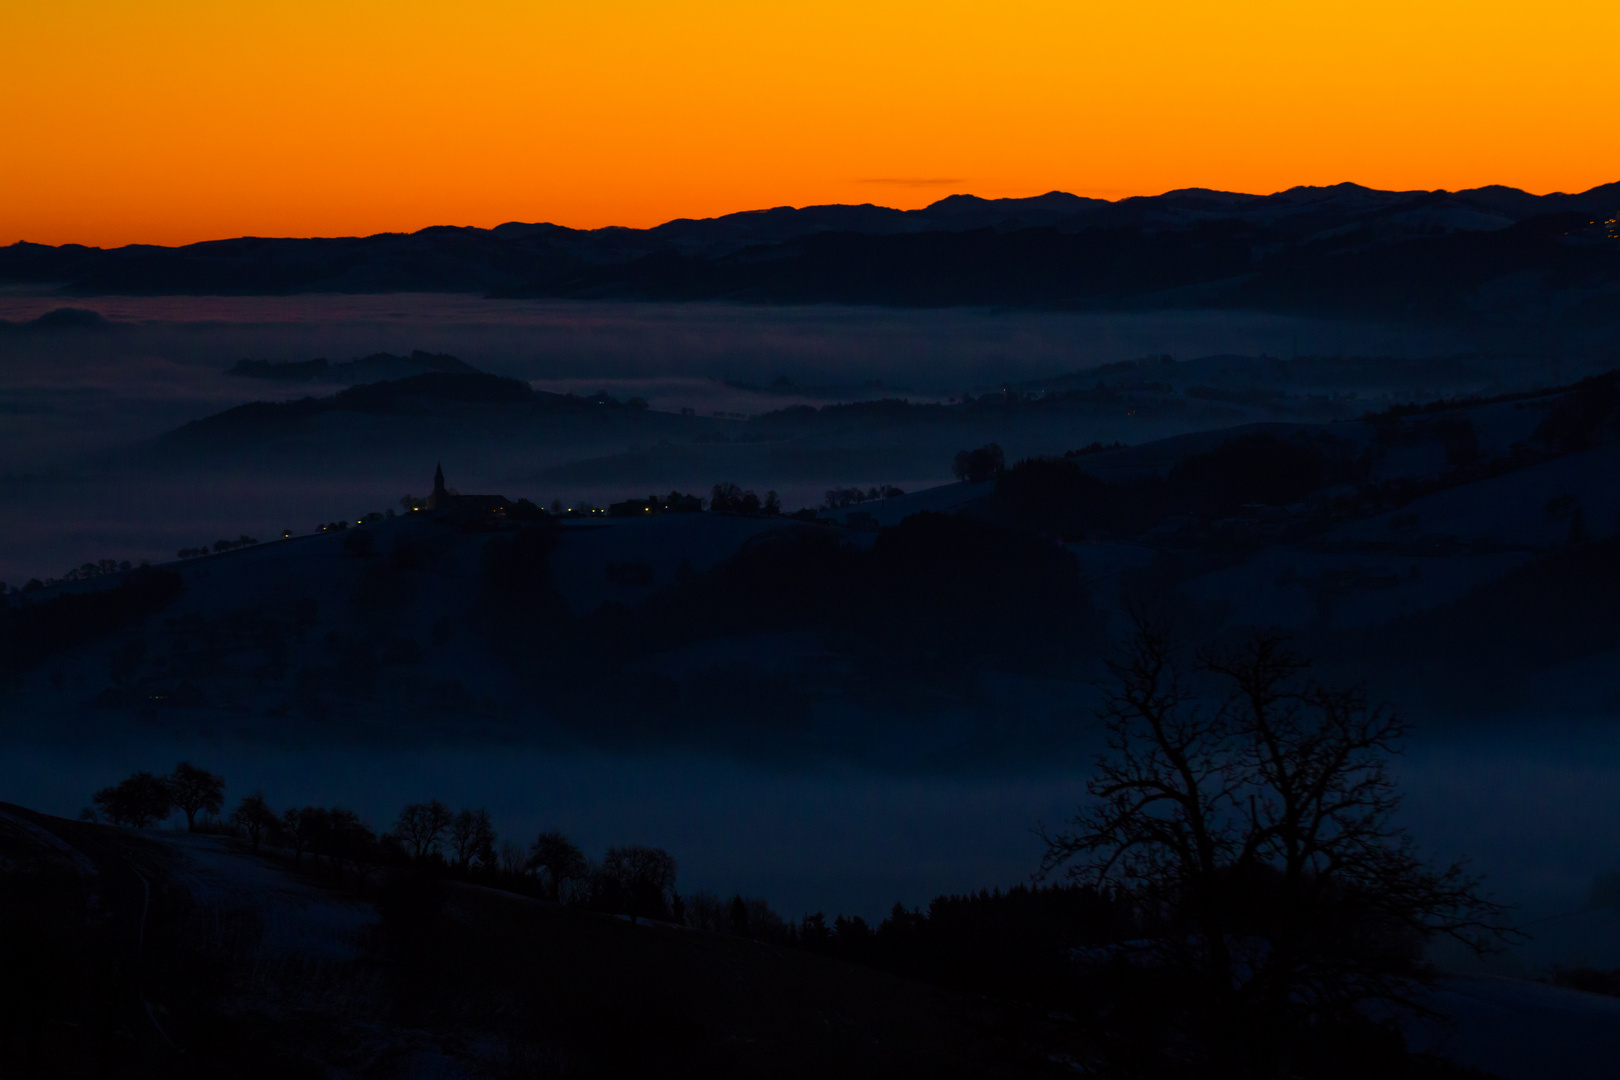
{"x": 177, "y": 121}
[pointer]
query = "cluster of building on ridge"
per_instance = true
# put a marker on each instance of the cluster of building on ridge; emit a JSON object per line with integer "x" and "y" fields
{"x": 494, "y": 511}
{"x": 446, "y": 505}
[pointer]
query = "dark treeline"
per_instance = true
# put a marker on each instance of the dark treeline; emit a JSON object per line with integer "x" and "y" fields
{"x": 1058, "y": 496}
{"x": 83, "y": 572}
{"x": 1011, "y": 942}
{"x": 1260, "y": 470}
{"x": 1234, "y": 897}
{"x": 427, "y": 838}
{"x": 1004, "y": 941}
{"x": 31, "y": 631}
{"x": 727, "y": 498}
{"x": 1428, "y": 408}
{"x": 934, "y": 598}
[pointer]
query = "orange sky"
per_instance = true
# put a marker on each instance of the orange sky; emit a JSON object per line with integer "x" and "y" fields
{"x": 168, "y": 121}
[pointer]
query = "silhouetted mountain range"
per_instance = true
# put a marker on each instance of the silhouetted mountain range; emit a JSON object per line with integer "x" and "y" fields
{"x": 66, "y": 318}
{"x": 1491, "y": 251}
{"x": 413, "y": 395}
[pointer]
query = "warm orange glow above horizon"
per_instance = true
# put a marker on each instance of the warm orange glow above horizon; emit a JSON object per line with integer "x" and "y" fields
{"x": 177, "y": 120}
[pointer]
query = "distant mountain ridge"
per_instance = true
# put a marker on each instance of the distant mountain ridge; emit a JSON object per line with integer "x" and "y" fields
{"x": 377, "y": 367}
{"x": 1344, "y": 248}
{"x": 415, "y": 395}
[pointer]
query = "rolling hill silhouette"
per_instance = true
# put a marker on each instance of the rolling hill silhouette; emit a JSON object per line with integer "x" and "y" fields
{"x": 1492, "y": 251}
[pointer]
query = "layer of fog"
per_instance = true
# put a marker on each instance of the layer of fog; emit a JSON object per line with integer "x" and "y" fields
{"x": 73, "y": 402}
{"x": 161, "y": 362}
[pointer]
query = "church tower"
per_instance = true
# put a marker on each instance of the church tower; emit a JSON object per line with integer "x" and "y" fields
{"x": 440, "y": 499}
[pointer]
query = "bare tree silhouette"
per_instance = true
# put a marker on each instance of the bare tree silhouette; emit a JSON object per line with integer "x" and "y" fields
{"x": 1257, "y": 839}
{"x": 472, "y": 836}
{"x": 421, "y": 826}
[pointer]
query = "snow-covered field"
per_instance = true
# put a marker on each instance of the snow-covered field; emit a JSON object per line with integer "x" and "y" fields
{"x": 246, "y": 902}
{"x": 1521, "y": 1030}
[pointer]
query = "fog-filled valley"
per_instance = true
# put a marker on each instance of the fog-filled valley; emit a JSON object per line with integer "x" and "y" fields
{"x": 875, "y": 686}
{"x": 87, "y": 399}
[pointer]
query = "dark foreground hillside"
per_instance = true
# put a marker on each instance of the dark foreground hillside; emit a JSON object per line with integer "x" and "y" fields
{"x": 240, "y": 967}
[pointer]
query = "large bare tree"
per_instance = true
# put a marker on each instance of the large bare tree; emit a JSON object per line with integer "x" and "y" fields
{"x": 421, "y": 826}
{"x": 472, "y": 835}
{"x": 1248, "y": 811}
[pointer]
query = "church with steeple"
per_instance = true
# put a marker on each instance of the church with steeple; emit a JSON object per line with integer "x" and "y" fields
{"x": 446, "y": 504}
{"x": 440, "y": 499}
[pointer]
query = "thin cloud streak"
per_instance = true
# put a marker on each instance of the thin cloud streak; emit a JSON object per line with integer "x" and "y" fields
{"x": 914, "y": 181}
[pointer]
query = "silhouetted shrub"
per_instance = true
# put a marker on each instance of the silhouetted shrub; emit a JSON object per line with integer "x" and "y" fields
{"x": 979, "y": 465}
